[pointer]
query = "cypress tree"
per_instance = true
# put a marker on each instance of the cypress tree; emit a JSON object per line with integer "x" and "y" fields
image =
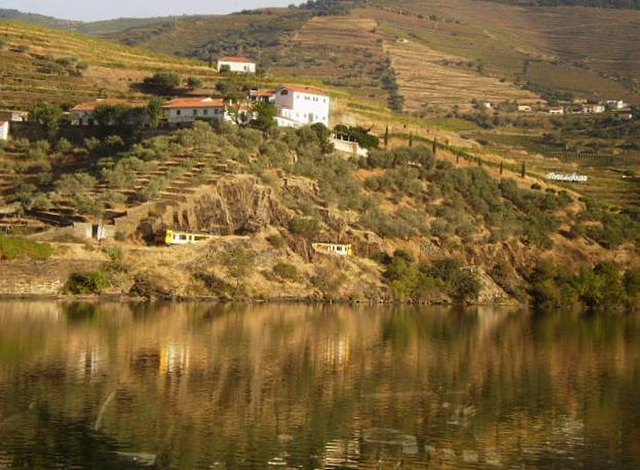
{"x": 501, "y": 167}
{"x": 386, "y": 137}
{"x": 411, "y": 139}
{"x": 523, "y": 171}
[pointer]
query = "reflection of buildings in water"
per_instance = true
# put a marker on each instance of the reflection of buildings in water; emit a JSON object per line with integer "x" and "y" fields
{"x": 89, "y": 362}
{"x": 337, "y": 352}
{"x": 342, "y": 453}
{"x": 174, "y": 359}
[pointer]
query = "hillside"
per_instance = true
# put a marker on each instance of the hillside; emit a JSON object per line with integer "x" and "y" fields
{"x": 580, "y": 50}
{"x": 268, "y": 197}
{"x": 15, "y": 15}
{"x": 65, "y": 68}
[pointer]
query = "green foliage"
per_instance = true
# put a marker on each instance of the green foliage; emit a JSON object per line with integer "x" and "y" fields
{"x": 286, "y": 271}
{"x": 92, "y": 282}
{"x": 239, "y": 261}
{"x": 614, "y": 228}
{"x": 77, "y": 183}
{"x": 48, "y": 115}
{"x": 155, "y": 110}
{"x": 398, "y": 156}
{"x": 119, "y": 115}
{"x": 193, "y": 83}
{"x": 162, "y": 82}
{"x": 17, "y": 247}
{"x": 599, "y": 288}
{"x": 277, "y": 241}
{"x": 265, "y": 114}
{"x": 410, "y": 281}
{"x": 359, "y": 134}
{"x": 306, "y": 227}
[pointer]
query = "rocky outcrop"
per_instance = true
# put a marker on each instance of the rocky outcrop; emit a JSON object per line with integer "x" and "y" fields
{"x": 237, "y": 205}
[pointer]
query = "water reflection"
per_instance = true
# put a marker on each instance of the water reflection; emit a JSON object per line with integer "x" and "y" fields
{"x": 214, "y": 386}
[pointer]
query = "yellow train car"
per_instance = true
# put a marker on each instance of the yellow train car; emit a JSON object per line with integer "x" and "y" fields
{"x": 175, "y": 237}
{"x": 333, "y": 249}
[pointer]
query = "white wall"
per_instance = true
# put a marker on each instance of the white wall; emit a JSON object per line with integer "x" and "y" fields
{"x": 238, "y": 67}
{"x": 303, "y": 108}
{"x": 4, "y": 131}
{"x": 177, "y": 115}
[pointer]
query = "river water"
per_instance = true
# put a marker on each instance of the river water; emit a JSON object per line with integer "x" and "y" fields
{"x": 113, "y": 385}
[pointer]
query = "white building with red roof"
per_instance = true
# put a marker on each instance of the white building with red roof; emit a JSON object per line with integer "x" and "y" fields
{"x": 236, "y": 64}
{"x": 4, "y": 130}
{"x": 83, "y": 114}
{"x": 266, "y": 96}
{"x": 301, "y": 105}
{"x": 185, "y": 110}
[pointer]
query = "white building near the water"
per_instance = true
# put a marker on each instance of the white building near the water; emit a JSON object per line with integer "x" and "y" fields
{"x": 299, "y": 105}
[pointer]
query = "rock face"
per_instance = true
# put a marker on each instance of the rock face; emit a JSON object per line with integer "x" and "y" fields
{"x": 232, "y": 206}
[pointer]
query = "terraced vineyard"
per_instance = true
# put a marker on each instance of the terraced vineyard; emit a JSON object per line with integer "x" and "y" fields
{"x": 430, "y": 84}
{"x": 65, "y": 68}
{"x": 160, "y": 184}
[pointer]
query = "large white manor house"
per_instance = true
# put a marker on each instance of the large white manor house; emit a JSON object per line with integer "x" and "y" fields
{"x": 299, "y": 105}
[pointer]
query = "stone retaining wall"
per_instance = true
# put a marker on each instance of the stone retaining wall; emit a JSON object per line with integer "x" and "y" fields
{"x": 28, "y": 277}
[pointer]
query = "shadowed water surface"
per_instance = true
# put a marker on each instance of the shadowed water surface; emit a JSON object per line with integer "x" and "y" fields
{"x": 291, "y": 386}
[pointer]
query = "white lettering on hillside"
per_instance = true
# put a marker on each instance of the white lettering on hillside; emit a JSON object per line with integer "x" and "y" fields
{"x": 572, "y": 178}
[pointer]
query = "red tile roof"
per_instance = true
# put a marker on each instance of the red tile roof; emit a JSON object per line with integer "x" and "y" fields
{"x": 243, "y": 60}
{"x": 261, "y": 93}
{"x": 92, "y": 105}
{"x": 194, "y": 103}
{"x": 304, "y": 89}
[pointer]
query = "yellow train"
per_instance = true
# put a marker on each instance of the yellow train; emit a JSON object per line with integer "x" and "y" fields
{"x": 333, "y": 249}
{"x": 175, "y": 237}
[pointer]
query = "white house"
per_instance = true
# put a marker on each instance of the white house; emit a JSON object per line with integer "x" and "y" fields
{"x": 4, "y": 130}
{"x": 184, "y": 110}
{"x": 557, "y": 110}
{"x": 593, "y": 109}
{"x": 524, "y": 108}
{"x": 236, "y": 64}
{"x": 266, "y": 96}
{"x": 83, "y": 114}
{"x": 616, "y": 104}
{"x": 299, "y": 105}
{"x": 13, "y": 115}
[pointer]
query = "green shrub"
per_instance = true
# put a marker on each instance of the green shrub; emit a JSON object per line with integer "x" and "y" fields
{"x": 92, "y": 282}
{"x": 286, "y": 271}
{"x": 17, "y": 247}
{"x": 306, "y": 227}
{"x": 277, "y": 241}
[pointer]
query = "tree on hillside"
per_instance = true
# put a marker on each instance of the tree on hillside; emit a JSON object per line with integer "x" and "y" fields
{"x": 324, "y": 137}
{"x": 193, "y": 83}
{"x": 48, "y": 115}
{"x": 162, "y": 82}
{"x": 155, "y": 110}
{"x": 265, "y": 114}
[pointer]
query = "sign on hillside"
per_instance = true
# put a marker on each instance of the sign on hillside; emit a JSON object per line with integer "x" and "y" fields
{"x": 567, "y": 177}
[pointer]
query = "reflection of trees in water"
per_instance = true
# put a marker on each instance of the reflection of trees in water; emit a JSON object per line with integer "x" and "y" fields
{"x": 214, "y": 383}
